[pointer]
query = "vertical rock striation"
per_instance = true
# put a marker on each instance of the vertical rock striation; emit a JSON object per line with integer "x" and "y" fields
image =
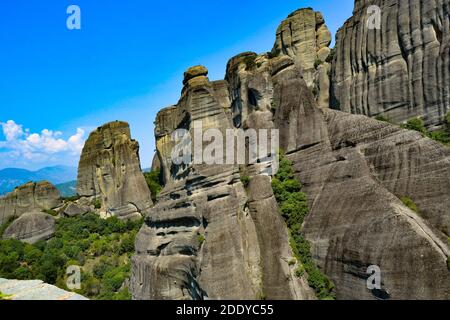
{"x": 355, "y": 170}
{"x": 401, "y": 70}
{"x": 207, "y": 236}
{"x": 305, "y": 37}
{"x": 109, "y": 169}
{"x": 27, "y": 198}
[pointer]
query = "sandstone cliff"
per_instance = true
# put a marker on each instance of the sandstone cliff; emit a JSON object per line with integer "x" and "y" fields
{"x": 209, "y": 237}
{"x": 109, "y": 169}
{"x": 401, "y": 70}
{"x": 27, "y": 198}
{"x": 305, "y": 37}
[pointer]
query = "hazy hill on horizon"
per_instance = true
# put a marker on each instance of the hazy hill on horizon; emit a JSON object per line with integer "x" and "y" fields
{"x": 11, "y": 178}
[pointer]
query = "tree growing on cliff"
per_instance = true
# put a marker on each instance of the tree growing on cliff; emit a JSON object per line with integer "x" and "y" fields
{"x": 294, "y": 208}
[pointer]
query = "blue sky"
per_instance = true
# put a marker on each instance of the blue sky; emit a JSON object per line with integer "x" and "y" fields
{"x": 125, "y": 63}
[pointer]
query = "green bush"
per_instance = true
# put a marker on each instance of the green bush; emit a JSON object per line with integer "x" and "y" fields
{"x": 97, "y": 203}
{"x": 294, "y": 208}
{"x": 442, "y": 136}
{"x": 300, "y": 271}
{"x": 76, "y": 241}
{"x": 250, "y": 62}
{"x": 245, "y": 181}
{"x": 201, "y": 238}
{"x": 415, "y": 124}
{"x": 410, "y": 204}
{"x": 154, "y": 183}
{"x": 127, "y": 243}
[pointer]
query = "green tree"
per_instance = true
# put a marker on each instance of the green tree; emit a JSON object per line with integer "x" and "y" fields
{"x": 294, "y": 208}
{"x": 154, "y": 182}
{"x": 416, "y": 124}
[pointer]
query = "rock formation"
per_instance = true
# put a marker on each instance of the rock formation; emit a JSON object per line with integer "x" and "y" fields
{"x": 35, "y": 290}
{"x": 401, "y": 70}
{"x": 31, "y": 227}
{"x": 73, "y": 210}
{"x": 27, "y": 198}
{"x": 110, "y": 170}
{"x": 305, "y": 37}
{"x": 355, "y": 170}
{"x": 209, "y": 237}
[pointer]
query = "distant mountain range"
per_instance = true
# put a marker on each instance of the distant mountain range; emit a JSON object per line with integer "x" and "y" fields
{"x": 13, "y": 177}
{"x": 67, "y": 189}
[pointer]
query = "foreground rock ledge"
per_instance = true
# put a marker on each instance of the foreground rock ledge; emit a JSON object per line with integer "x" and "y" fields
{"x": 35, "y": 290}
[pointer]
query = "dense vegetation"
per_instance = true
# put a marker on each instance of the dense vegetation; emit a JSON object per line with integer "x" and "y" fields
{"x": 153, "y": 179}
{"x": 417, "y": 124}
{"x": 294, "y": 208}
{"x": 102, "y": 248}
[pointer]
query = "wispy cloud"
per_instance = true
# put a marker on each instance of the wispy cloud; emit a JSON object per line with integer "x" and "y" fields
{"x": 22, "y": 148}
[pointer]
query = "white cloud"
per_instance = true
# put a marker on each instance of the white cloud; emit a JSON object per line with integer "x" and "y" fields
{"x": 22, "y": 146}
{"x": 11, "y": 130}
{"x": 76, "y": 142}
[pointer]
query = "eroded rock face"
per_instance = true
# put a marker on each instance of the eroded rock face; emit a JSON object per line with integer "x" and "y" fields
{"x": 206, "y": 237}
{"x": 31, "y": 227}
{"x": 305, "y": 38}
{"x": 401, "y": 70}
{"x": 29, "y": 197}
{"x": 109, "y": 168}
{"x": 354, "y": 170}
{"x": 73, "y": 210}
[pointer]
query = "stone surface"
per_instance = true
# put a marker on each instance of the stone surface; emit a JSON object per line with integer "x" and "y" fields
{"x": 206, "y": 238}
{"x": 305, "y": 38}
{"x": 156, "y": 163}
{"x": 210, "y": 237}
{"x": 73, "y": 210}
{"x": 355, "y": 170}
{"x": 110, "y": 169}
{"x": 29, "y": 197}
{"x": 401, "y": 70}
{"x": 35, "y": 290}
{"x": 31, "y": 227}
{"x": 194, "y": 72}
